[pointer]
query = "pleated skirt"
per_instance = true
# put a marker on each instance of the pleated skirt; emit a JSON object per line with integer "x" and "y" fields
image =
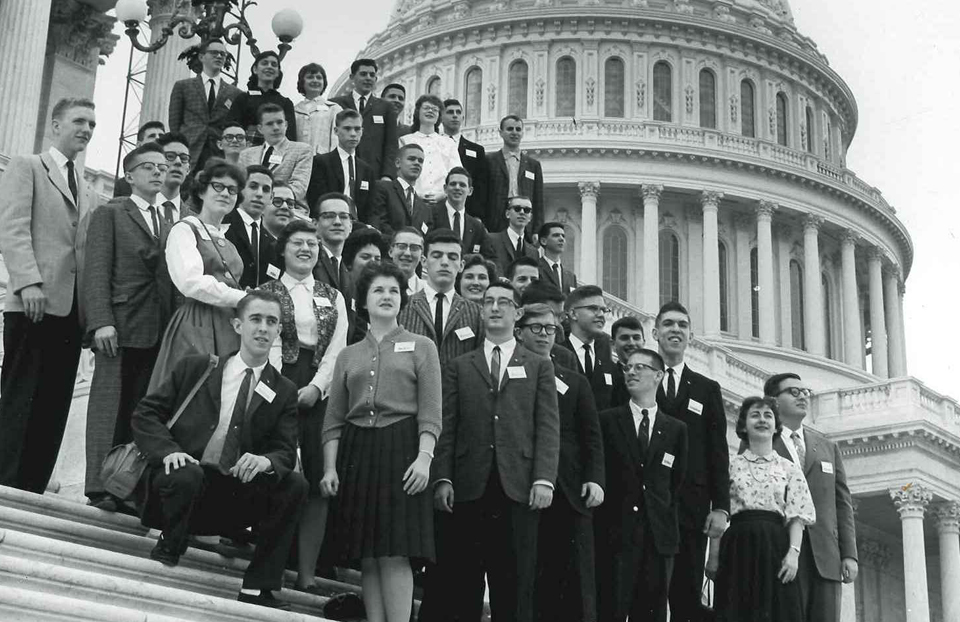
{"x": 310, "y": 420}
{"x": 374, "y": 516}
{"x": 751, "y": 553}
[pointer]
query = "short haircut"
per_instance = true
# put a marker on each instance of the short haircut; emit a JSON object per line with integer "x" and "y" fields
{"x": 425, "y": 99}
{"x": 260, "y": 170}
{"x": 230, "y": 124}
{"x": 173, "y": 137}
{"x": 750, "y": 402}
{"x": 412, "y": 230}
{"x": 330, "y": 196}
{"x": 507, "y": 286}
{"x": 66, "y": 103}
{"x": 667, "y": 307}
{"x": 393, "y": 85}
{"x": 281, "y": 184}
{"x": 541, "y": 291}
{"x": 652, "y": 354}
{"x": 772, "y": 386}
{"x": 311, "y": 68}
{"x": 360, "y": 239}
{"x": 269, "y": 108}
{"x": 506, "y": 204}
{"x": 346, "y": 113}
{"x": 296, "y": 225}
{"x": 629, "y": 322}
{"x": 362, "y": 62}
{"x": 205, "y": 43}
{"x": 253, "y": 83}
{"x": 130, "y": 160}
{"x": 535, "y": 309}
{"x": 581, "y": 293}
{"x": 547, "y": 226}
{"x": 440, "y": 236}
{"x": 459, "y": 170}
{"x": 451, "y": 102}
{"x": 510, "y": 117}
{"x": 372, "y": 271}
{"x": 257, "y": 294}
{"x": 150, "y": 125}
{"x": 215, "y": 167}
{"x": 523, "y": 260}
{"x": 409, "y": 147}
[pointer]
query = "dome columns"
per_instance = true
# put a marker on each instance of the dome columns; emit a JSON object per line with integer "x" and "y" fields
{"x": 852, "y": 335}
{"x": 589, "y": 191}
{"x": 813, "y": 316}
{"x": 710, "y": 202}
{"x": 878, "y": 325}
{"x": 651, "y": 246}
{"x": 911, "y": 502}
{"x": 765, "y": 211}
{"x": 894, "y": 312}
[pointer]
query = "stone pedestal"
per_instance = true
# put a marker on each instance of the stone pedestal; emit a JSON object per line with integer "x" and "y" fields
{"x": 651, "y": 247}
{"x": 163, "y": 68}
{"x": 765, "y": 271}
{"x": 911, "y": 501}
{"x": 852, "y": 337}
{"x": 710, "y": 202}
{"x": 24, "y": 25}
{"x": 589, "y": 191}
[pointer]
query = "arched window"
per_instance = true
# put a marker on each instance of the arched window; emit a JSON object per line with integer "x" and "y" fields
{"x": 613, "y": 87}
{"x": 747, "y": 109}
{"x": 782, "y": 119}
{"x": 708, "y": 99}
{"x": 669, "y": 267}
{"x": 615, "y": 261}
{"x": 811, "y": 145}
{"x": 474, "y": 99}
{"x": 827, "y": 316}
{"x": 796, "y": 304}
{"x": 724, "y": 308}
{"x": 662, "y": 92}
{"x": 754, "y": 293}
{"x": 517, "y": 77}
{"x": 433, "y": 86}
{"x": 566, "y": 93}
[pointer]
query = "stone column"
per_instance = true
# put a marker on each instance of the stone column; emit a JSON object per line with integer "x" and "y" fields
{"x": 710, "y": 201}
{"x": 744, "y": 299}
{"x": 812, "y": 286}
{"x": 852, "y": 337}
{"x": 948, "y": 527}
{"x": 891, "y": 293}
{"x": 24, "y": 24}
{"x": 589, "y": 190}
{"x": 903, "y": 328}
{"x": 765, "y": 271}
{"x": 783, "y": 235}
{"x": 651, "y": 247}
{"x": 163, "y": 68}
{"x": 878, "y": 325}
{"x": 911, "y": 501}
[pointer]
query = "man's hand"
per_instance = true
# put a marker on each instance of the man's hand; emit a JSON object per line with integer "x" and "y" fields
{"x": 105, "y": 340}
{"x": 849, "y": 569}
{"x": 435, "y": 196}
{"x": 308, "y": 396}
{"x": 541, "y": 496}
{"x": 593, "y": 493}
{"x": 716, "y": 524}
{"x": 177, "y": 459}
{"x": 443, "y": 497}
{"x": 713, "y": 564}
{"x": 34, "y": 302}
{"x": 249, "y": 466}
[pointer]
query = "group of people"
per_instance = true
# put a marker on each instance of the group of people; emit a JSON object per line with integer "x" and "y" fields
{"x": 361, "y": 340}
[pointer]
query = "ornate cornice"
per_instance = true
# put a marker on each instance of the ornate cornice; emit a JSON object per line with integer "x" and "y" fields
{"x": 911, "y": 500}
{"x": 80, "y": 33}
{"x": 766, "y": 209}
{"x": 589, "y": 189}
{"x": 710, "y": 199}
{"x": 651, "y": 192}
{"x": 812, "y": 222}
{"x": 849, "y": 237}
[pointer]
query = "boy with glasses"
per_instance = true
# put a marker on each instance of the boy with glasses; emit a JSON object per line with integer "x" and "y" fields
{"x": 148, "y": 133}
{"x": 587, "y": 311}
{"x": 280, "y": 210}
{"x": 177, "y": 155}
{"x": 509, "y": 245}
{"x": 232, "y": 141}
{"x": 406, "y": 251}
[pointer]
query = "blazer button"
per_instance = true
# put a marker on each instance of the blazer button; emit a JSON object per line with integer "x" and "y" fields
{"x": 212, "y": 426}
{"x": 496, "y": 418}
{"x": 636, "y": 509}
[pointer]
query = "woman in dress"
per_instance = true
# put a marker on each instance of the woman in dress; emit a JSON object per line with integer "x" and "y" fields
{"x": 439, "y": 151}
{"x": 478, "y": 273}
{"x": 205, "y": 268}
{"x": 382, "y": 423}
{"x": 313, "y": 331}
{"x": 265, "y": 78}
{"x": 315, "y": 114}
{"x": 770, "y": 504}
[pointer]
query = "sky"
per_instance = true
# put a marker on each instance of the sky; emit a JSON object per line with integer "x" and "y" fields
{"x": 900, "y": 59}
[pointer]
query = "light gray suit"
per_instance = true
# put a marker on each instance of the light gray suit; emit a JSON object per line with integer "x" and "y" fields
{"x": 294, "y": 168}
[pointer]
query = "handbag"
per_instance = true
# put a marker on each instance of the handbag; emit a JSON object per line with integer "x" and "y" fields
{"x": 124, "y": 465}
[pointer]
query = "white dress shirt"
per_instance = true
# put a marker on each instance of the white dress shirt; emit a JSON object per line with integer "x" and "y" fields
{"x": 248, "y": 222}
{"x": 553, "y": 263}
{"x": 233, "y": 373}
{"x": 415, "y": 284}
{"x": 61, "y": 161}
{"x": 206, "y": 84}
{"x": 507, "y": 349}
{"x": 144, "y": 207}
{"x": 431, "y": 295}
{"x": 463, "y": 217}
{"x": 635, "y": 410}
{"x": 356, "y": 99}
{"x": 677, "y": 373}
{"x": 578, "y": 344}
{"x": 439, "y": 156}
{"x": 347, "y": 188}
{"x": 514, "y": 238}
{"x": 791, "y": 444}
{"x": 186, "y": 267}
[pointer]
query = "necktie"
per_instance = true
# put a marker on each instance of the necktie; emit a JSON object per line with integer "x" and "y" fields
{"x": 410, "y": 199}
{"x": 495, "y": 368}
{"x": 72, "y": 180}
{"x": 438, "y": 319}
{"x": 671, "y": 384}
{"x": 153, "y": 220}
{"x": 267, "y": 153}
{"x": 231, "y": 444}
{"x": 801, "y": 450}
{"x": 520, "y": 246}
{"x": 363, "y": 101}
{"x": 335, "y": 263}
{"x": 587, "y": 361}
{"x": 643, "y": 434}
{"x": 456, "y": 223}
{"x": 556, "y": 273}
{"x": 168, "y": 212}
{"x": 255, "y": 249}
{"x": 211, "y": 96}
{"x": 353, "y": 174}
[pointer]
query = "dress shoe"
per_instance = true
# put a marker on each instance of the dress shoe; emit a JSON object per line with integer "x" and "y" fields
{"x": 105, "y": 502}
{"x": 265, "y": 599}
{"x": 166, "y": 552}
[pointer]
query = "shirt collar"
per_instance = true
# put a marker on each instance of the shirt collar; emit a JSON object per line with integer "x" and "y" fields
{"x": 59, "y": 159}
{"x": 236, "y": 366}
{"x": 431, "y": 293}
{"x": 281, "y": 145}
{"x": 635, "y": 410}
{"x": 343, "y": 154}
{"x": 506, "y": 349}
{"x": 175, "y": 200}
{"x": 290, "y": 282}
{"x": 552, "y": 263}
{"x": 752, "y": 457}
{"x": 678, "y": 371}
{"x": 404, "y": 184}
{"x": 510, "y": 154}
{"x": 356, "y": 98}
{"x": 451, "y": 209}
{"x": 247, "y": 218}
{"x": 141, "y": 203}
{"x": 206, "y": 79}
{"x": 579, "y": 343}
{"x": 513, "y": 235}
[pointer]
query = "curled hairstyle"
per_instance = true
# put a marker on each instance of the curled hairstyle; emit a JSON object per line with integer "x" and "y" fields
{"x": 749, "y": 403}
{"x": 472, "y": 260}
{"x": 296, "y": 225}
{"x": 257, "y": 294}
{"x": 426, "y": 99}
{"x": 360, "y": 239}
{"x": 311, "y": 68}
{"x": 253, "y": 83}
{"x": 372, "y": 271}
{"x": 214, "y": 168}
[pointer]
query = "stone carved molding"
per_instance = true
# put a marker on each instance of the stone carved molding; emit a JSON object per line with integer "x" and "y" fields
{"x": 683, "y": 6}
{"x": 591, "y": 90}
{"x": 947, "y": 516}
{"x": 689, "y": 93}
{"x": 766, "y": 209}
{"x": 873, "y": 553}
{"x": 849, "y": 236}
{"x": 773, "y": 120}
{"x": 80, "y": 33}
{"x": 911, "y": 500}
{"x": 651, "y": 192}
{"x": 803, "y": 134}
{"x": 734, "y": 107}
{"x": 461, "y": 10}
{"x": 492, "y": 97}
{"x": 589, "y": 189}
{"x": 563, "y": 216}
{"x": 641, "y": 88}
{"x": 812, "y": 221}
{"x": 538, "y": 91}
{"x": 710, "y": 199}
{"x": 721, "y": 11}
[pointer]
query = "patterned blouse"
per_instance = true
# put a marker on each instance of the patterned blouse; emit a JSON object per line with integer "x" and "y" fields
{"x": 439, "y": 156}
{"x": 771, "y": 483}
{"x": 315, "y": 123}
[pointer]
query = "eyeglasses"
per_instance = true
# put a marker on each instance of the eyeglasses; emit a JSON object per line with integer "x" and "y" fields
{"x": 636, "y": 367}
{"x": 218, "y": 188}
{"x": 521, "y": 209}
{"x": 172, "y": 156}
{"x": 278, "y": 202}
{"x": 235, "y": 138}
{"x": 311, "y": 244}
{"x": 344, "y": 216}
{"x": 796, "y": 391}
{"x": 216, "y": 54}
{"x": 498, "y": 302}
{"x": 595, "y": 309}
{"x": 542, "y": 329}
{"x": 404, "y": 247}
{"x": 429, "y": 108}
{"x": 151, "y": 167}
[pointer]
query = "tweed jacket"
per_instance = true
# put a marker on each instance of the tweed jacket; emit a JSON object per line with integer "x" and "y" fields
{"x": 326, "y": 319}
{"x": 380, "y": 140}
{"x": 294, "y": 169}
{"x": 188, "y": 113}
{"x": 505, "y": 252}
{"x": 389, "y": 211}
{"x": 569, "y": 278}
{"x": 462, "y": 333}
{"x": 529, "y": 184}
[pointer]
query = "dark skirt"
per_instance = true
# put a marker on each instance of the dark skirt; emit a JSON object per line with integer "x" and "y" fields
{"x": 310, "y": 420}
{"x": 374, "y": 516}
{"x": 751, "y": 553}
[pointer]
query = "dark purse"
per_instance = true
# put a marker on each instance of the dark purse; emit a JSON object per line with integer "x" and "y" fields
{"x": 124, "y": 465}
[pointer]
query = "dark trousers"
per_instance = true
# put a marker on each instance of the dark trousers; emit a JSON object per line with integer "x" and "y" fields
{"x": 201, "y": 500}
{"x": 438, "y": 602}
{"x": 687, "y": 582}
{"x": 36, "y": 387}
{"x": 497, "y": 536}
{"x": 566, "y": 584}
{"x": 820, "y": 597}
{"x": 634, "y": 578}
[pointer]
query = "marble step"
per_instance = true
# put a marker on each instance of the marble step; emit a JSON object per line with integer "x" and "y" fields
{"x": 20, "y": 605}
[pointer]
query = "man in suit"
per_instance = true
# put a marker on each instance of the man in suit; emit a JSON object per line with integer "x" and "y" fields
{"x": 148, "y": 133}
{"x": 705, "y": 499}
{"x": 627, "y": 336}
{"x": 233, "y": 140}
{"x": 587, "y": 310}
{"x": 129, "y": 299}
{"x": 513, "y": 173}
{"x": 452, "y": 215}
{"x": 498, "y": 453}
{"x": 394, "y": 202}
{"x": 227, "y": 462}
{"x": 289, "y": 161}
{"x": 278, "y": 213}
{"x": 472, "y": 156}
{"x": 566, "y": 584}
{"x": 406, "y": 251}
{"x": 396, "y": 95}
{"x": 540, "y": 291}
{"x": 378, "y": 148}
{"x": 522, "y": 272}
{"x": 509, "y": 245}
{"x": 553, "y": 239}
{"x": 199, "y": 106}
{"x": 335, "y": 215}
{"x": 44, "y": 205}
{"x": 247, "y": 231}
{"x": 828, "y": 556}
{"x": 342, "y": 170}
{"x": 177, "y": 155}
{"x": 637, "y": 525}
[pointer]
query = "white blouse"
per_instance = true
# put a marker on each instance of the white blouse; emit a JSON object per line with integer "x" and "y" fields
{"x": 771, "y": 483}
{"x": 186, "y": 267}
{"x": 439, "y": 156}
{"x": 316, "y": 120}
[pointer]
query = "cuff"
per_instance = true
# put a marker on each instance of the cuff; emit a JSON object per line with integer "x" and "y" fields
{"x": 440, "y": 481}
{"x": 544, "y": 482}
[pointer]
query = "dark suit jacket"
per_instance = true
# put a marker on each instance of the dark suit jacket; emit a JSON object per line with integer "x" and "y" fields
{"x": 603, "y": 369}
{"x": 327, "y": 176}
{"x": 380, "y": 142}
{"x": 253, "y": 275}
{"x": 323, "y": 272}
{"x": 121, "y": 187}
{"x": 475, "y": 238}
{"x": 564, "y": 357}
{"x": 388, "y": 209}
{"x": 417, "y": 318}
{"x": 569, "y": 278}
{"x": 474, "y": 159}
{"x": 127, "y": 286}
{"x": 521, "y": 420}
{"x": 529, "y": 183}
{"x": 708, "y": 467}
{"x": 189, "y": 116}
{"x": 505, "y": 252}
{"x": 581, "y": 446}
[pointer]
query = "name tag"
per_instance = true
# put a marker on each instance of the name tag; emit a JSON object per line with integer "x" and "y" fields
{"x": 562, "y": 387}
{"x": 364, "y": 185}
{"x": 470, "y": 153}
{"x": 608, "y": 378}
{"x": 266, "y": 392}
{"x": 276, "y": 159}
{"x": 667, "y": 460}
{"x": 320, "y": 301}
{"x": 228, "y": 104}
{"x": 826, "y": 467}
{"x": 529, "y": 175}
{"x": 353, "y": 305}
{"x": 464, "y": 333}
{"x": 695, "y": 407}
{"x": 378, "y": 119}
{"x": 423, "y": 227}
{"x": 272, "y": 271}
{"x": 476, "y": 248}
{"x": 404, "y": 346}
{"x": 516, "y": 372}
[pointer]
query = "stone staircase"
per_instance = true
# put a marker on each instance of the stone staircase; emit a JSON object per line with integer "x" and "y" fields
{"x": 61, "y": 560}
